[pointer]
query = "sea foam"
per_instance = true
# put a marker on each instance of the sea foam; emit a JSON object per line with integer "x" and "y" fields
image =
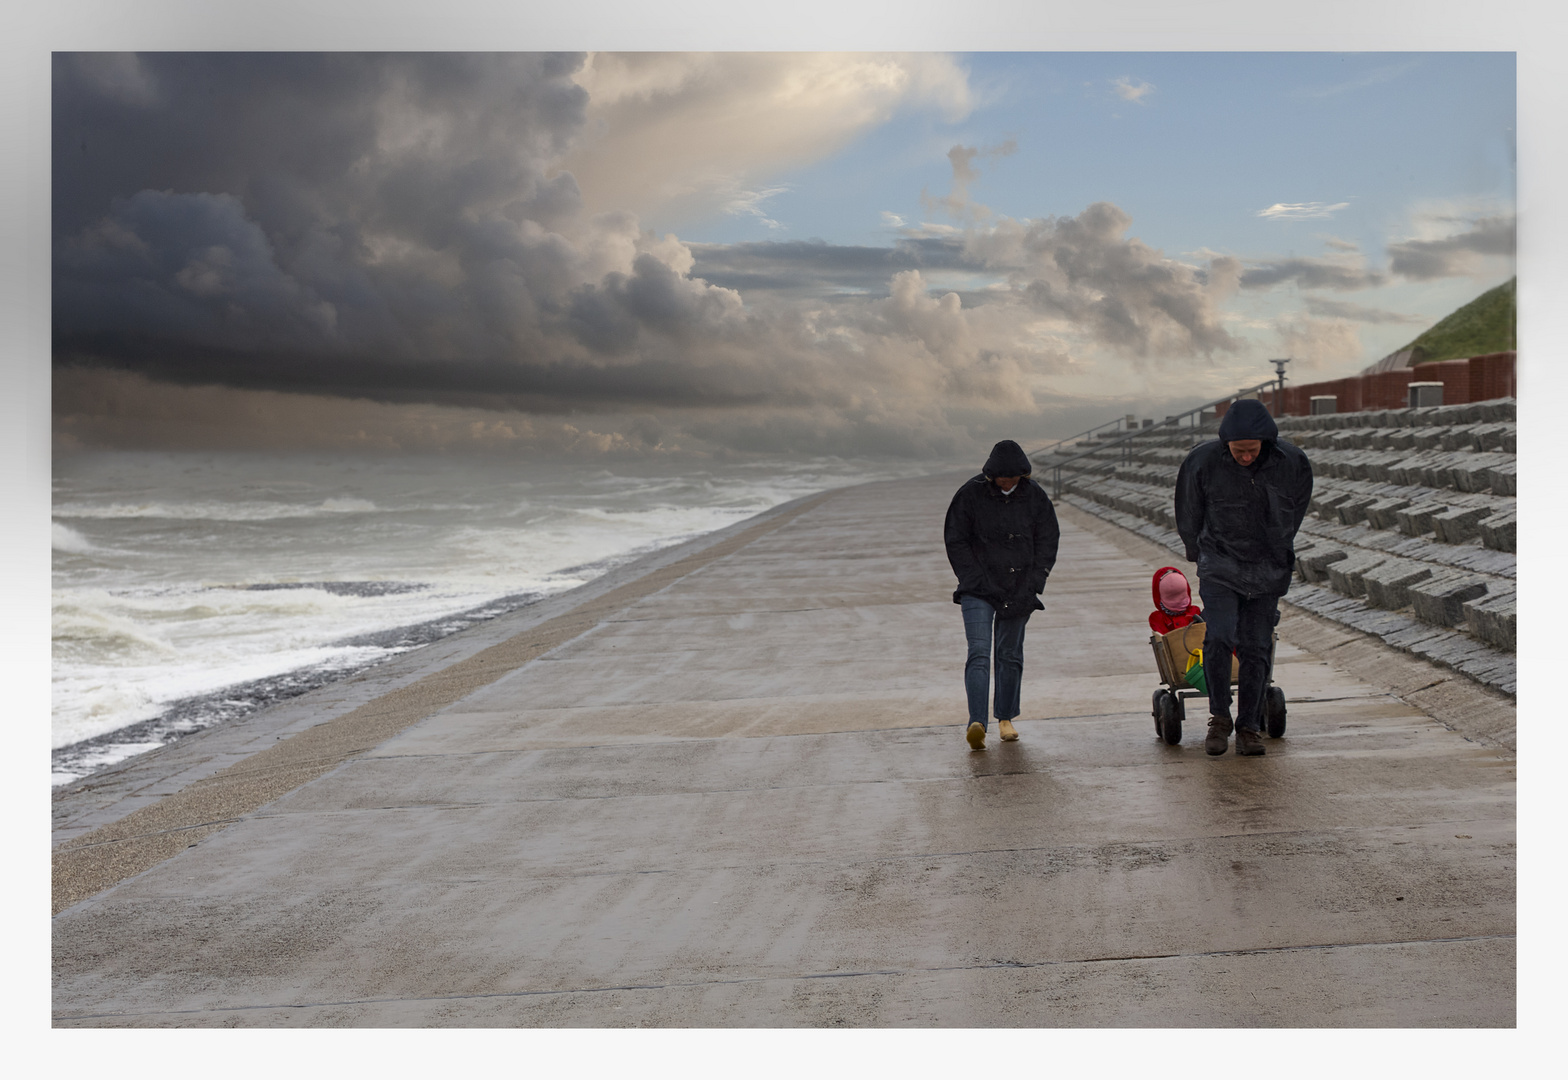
{"x": 214, "y": 585}
{"x": 65, "y": 538}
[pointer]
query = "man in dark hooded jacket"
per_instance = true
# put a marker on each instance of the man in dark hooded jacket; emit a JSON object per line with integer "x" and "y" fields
{"x": 1001, "y": 536}
{"x": 1239, "y": 501}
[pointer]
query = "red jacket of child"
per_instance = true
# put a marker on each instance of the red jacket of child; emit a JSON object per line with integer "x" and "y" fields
{"x": 1163, "y": 619}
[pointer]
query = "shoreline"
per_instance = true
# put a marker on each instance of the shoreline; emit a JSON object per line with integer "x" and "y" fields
{"x": 184, "y": 717}
{"x": 132, "y": 815}
{"x": 144, "y": 658}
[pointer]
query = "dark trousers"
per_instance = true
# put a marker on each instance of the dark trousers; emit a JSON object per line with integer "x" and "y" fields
{"x": 1245, "y": 627}
{"x": 980, "y": 626}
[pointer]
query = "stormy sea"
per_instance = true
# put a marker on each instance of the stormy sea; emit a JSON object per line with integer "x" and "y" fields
{"x": 194, "y": 588}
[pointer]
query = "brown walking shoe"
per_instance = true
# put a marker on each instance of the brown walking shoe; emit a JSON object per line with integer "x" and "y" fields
{"x": 1218, "y": 740}
{"x": 976, "y": 736}
{"x": 1249, "y": 743}
{"x": 1009, "y": 733}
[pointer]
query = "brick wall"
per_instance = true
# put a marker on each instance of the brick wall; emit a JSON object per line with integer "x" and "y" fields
{"x": 1480, "y": 378}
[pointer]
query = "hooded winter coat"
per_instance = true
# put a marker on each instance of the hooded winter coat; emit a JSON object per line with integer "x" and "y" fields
{"x": 1239, "y": 522}
{"x": 1002, "y": 547}
{"x": 1162, "y": 620}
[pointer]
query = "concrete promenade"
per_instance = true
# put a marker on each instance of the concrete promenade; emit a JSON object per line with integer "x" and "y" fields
{"x": 739, "y": 795}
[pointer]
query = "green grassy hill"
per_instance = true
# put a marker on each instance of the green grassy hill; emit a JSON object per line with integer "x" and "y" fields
{"x": 1484, "y": 325}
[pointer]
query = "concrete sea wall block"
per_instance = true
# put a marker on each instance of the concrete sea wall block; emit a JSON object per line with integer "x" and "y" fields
{"x": 1349, "y": 462}
{"x": 1379, "y": 465}
{"x": 1313, "y": 562}
{"x": 1416, "y": 519}
{"x": 1440, "y": 599}
{"x": 1494, "y": 619}
{"x": 1324, "y": 465}
{"x": 1489, "y": 437}
{"x": 1379, "y": 462}
{"x": 1472, "y": 473}
{"x": 1388, "y": 586}
{"x": 1495, "y": 410}
{"x": 1503, "y": 478}
{"x": 1410, "y": 470}
{"x": 1461, "y": 437}
{"x": 1440, "y": 473}
{"x": 1354, "y": 509}
{"x": 1459, "y": 523}
{"x": 1380, "y": 514}
{"x": 1500, "y": 531}
{"x": 1352, "y": 464}
{"x": 1345, "y": 575}
{"x": 1326, "y": 500}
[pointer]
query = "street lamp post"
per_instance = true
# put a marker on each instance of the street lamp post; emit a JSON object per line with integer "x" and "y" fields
{"x": 1279, "y": 389}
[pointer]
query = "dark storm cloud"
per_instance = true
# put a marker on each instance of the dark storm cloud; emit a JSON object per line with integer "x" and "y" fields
{"x": 298, "y": 135}
{"x": 394, "y": 228}
{"x": 552, "y": 387}
{"x": 1422, "y": 260}
{"x": 326, "y": 207}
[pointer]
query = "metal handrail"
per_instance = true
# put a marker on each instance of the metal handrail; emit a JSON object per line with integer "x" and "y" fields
{"x": 1081, "y": 434}
{"x": 1169, "y": 421}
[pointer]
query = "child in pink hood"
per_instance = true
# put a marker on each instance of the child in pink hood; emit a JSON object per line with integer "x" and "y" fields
{"x": 1173, "y": 606}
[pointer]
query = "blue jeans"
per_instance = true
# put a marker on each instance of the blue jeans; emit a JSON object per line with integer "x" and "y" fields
{"x": 980, "y": 625}
{"x": 1245, "y": 627}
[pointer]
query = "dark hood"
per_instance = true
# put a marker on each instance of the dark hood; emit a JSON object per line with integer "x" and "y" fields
{"x": 1007, "y": 459}
{"x": 1248, "y": 419}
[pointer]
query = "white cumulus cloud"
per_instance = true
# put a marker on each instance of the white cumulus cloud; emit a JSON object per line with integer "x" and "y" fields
{"x": 1128, "y": 90}
{"x": 702, "y": 125}
{"x": 1299, "y": 211}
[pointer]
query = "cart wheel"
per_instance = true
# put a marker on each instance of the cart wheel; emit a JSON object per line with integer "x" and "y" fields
{"x": 1274, "y": 712}
{"x": 1170, "y": 719}
{"x": 1158, "y": 695}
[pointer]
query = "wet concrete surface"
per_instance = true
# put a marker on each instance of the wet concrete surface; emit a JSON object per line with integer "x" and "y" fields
{"x": 745, "y": 800}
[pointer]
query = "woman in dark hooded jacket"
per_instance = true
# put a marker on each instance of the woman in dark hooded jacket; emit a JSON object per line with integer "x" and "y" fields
{"x": 1001, "y": 537}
